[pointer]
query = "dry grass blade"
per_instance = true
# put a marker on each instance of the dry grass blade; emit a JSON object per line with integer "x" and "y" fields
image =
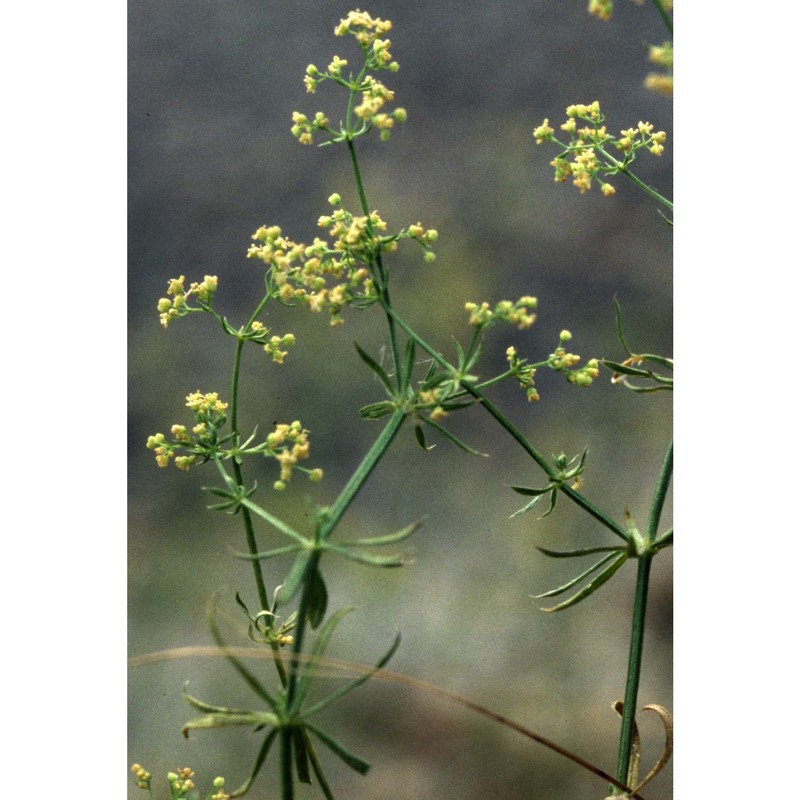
{"x": 337, "y": 668}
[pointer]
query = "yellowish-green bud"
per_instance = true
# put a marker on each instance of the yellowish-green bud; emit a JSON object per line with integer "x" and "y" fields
{"x": 335, "y": 199}
{"x": 564, "y": 336}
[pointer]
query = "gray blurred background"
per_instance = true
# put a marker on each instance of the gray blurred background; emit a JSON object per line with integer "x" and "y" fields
{"x": 212, "y": 89}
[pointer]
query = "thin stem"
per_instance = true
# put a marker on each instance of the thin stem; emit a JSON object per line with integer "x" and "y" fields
{"x": 665, "y": 17}
{"x": 634, "y": 668}
{"x": 515, "y": 434}
{"x": 346, "y": 496}
{"x": 621, "y": 167}
{"x": 384, "y": 282}
{"x": 287, "y": 779}
{"x": 359, "y": 477}
{"x": 637, "y": 632}
{"x": 250, "y": 534}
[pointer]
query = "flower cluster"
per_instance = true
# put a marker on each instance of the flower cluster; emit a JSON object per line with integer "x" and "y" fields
{"x": 662, "y": 56}
{"x": 287, "y": 444}
{"x": 587, "y": 147}
{"x": 272, "y": 344}
{"x": 519, "y": 313}
{"x": 143, "y": 777}
{"x": 602, "y": 9}
{"x": 523, "y": 372}
{"x": 209, "y": 414}
{"x": 373, "y": 94}
{"x": 334, "y": 274}
{"x": 177, "y": 304}
{"x": 563, "y": 362}
{"x": 180, "y": 783}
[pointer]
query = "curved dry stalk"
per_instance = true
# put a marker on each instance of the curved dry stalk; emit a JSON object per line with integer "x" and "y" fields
{"x": 338, "y": 668}
{"x": 636, "y": 748}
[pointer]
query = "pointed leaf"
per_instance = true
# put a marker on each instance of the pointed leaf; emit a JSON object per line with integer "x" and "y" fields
{"x": 295, "y": 577}
{"x": 249, "y": 718}
{"x": 420, "y": 437}
{"x": 582, "y": 552}
{"x": 353, "y": 761}
{"x": 317, "y": 599}
{"x": 593, "y": 586}
{"x": 573, "y": 581}
{"x": 248, "y": 676}
{"x": 207, "y": 708}
{"x": 531, "y": 492}
{"x": 332, "y": 698}
{"x": 377, "y": 369}
{"x": 260, "y": 759}
{"x": 277, "y": 551}
{"x": 274, "y": 521}
{"x": 408, "y": 366}
{"x": 320, "y": 646}
{"x": 301, "y": 756}
{"x": 397, "y": 560}
{"x": 389, "y": 538}
{"x": 618, "y": 323}
{"x": 473, "y": 359}
{"x": 376, "y": 410}
{"x": 458, "y": 443}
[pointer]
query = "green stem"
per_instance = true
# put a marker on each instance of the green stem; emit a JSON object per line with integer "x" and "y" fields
{"x": 359, "y": 477}
{"x": 250, "y": 534}
{"x": 384, "y": 282}
{"x": 665, "y": 17}
{"x": 346, "y": 496}
{"x": 634, "y": 668}
{"x": 619, "y": 166}
{"x": 515, "y": 434}
{"x": 287, "y": 778}
{"x": 637, "y": 633}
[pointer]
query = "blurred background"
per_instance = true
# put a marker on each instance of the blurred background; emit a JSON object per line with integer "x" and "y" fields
{"x": 211, "y": 92}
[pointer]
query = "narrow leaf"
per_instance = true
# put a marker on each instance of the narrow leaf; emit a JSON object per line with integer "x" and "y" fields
{"x": 301, "y": 756}
{"x": 317, "y": 599}
{"x": 582, "y": 552}
{"x": 398, "y": 560}
{"x": 573, "y": 581}
{"x": 377, "y": 369}
{"x": 249, "y": 718}
{"x": 332, "y": 698}
{"x": 531, "y": 492}
{"x": 458, "y": 443}
{"x": 295, "y": 577}
{"x": 260, "y": 759}
{"x": 209, "y": 709}
{"x": 320, "y": 646}
{"x": 376, "y": 410}
{"x": 278, "y": 551}
{"x": 618, "y": 323}
{"x": 389, "y": 538}
{"x": 353, "y": 761}
{"x": 274, "y": 521}
{"x": 593, "y": 586}
{"x": 408, "y": 366}
{"x": 420, "y": 437}
{"x": 248, "y": 676}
